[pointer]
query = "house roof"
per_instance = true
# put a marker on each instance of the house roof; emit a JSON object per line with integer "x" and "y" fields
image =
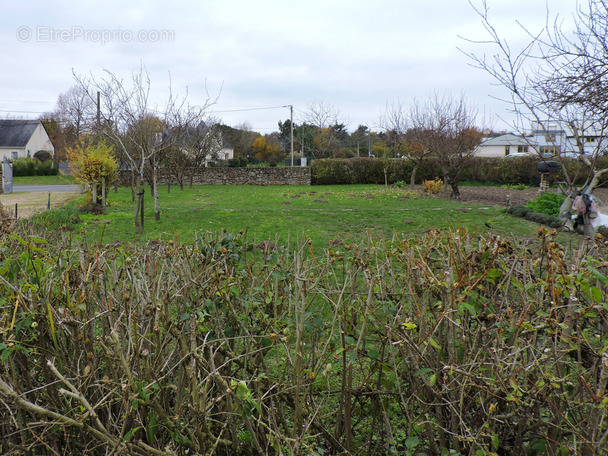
{"x": 508, "y": 139}
{"x": 16, "y": 133}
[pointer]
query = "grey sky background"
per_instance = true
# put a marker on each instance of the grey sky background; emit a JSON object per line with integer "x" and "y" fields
{"x": 355, "y": 55}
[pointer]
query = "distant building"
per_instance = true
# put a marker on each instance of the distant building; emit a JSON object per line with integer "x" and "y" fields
{"x": 23, "y": 138}
{"x": 548, "y": 140}
{"x": 503, "y": 145}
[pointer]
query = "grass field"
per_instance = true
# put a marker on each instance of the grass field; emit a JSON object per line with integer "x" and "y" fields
{"x": 279, "y": 213}
{"x": 43, "y": 180}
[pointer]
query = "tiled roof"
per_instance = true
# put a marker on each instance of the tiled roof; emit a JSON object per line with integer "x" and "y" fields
{"x": 16, "y": 133}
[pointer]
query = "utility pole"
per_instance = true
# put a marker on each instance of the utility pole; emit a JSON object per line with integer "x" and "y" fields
{"x": 291, "y": 125}
{"x": 98, "y": 109}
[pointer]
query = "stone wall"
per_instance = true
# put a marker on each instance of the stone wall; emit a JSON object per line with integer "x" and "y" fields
{"x": 240, "y": 176}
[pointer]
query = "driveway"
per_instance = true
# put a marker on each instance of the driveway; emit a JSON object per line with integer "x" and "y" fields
{"x": 30, "y": 199}
{"x": 47, "y": 188}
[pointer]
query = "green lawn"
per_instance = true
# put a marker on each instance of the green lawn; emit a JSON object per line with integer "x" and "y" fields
{"x": 321, "y": 213}
{"x": 43, "y": 180}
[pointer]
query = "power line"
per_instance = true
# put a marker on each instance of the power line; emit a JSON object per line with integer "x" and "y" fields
{"x": 26, "y": 101}
{"x": 249, "y": 109}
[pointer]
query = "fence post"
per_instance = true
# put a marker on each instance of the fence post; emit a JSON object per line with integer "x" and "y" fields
{"x": 103, "y": 192}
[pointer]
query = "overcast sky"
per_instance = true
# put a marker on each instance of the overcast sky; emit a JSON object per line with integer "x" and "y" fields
{"x": 355, "y": 55}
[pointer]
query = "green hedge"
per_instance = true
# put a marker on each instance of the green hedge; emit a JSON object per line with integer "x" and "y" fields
{"x": 498, "y": 171}
{"x": 32, "y": 167}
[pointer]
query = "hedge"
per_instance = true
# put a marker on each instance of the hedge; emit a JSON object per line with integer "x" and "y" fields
{"x": 485, "y": 170}
{"x": 32, "y": 167}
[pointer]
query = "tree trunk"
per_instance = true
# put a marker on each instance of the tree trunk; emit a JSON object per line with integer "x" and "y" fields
{"x": 103, "y": 192}
{"x": 455, "y": 190}
{"x": 413, "y": 177}
{"x": 156, "y": 201}
{"x": 138, "y": 206}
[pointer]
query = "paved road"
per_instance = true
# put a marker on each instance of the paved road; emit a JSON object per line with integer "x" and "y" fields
{"x": 47, "y": 188}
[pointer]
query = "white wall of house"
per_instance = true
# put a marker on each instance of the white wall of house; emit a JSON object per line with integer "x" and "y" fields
{"x": 504, "y": 145}
{"x": 39, "y": 141}
{"x": 12, "y": 153}
{"x": 490, "y": 151}
{"x": 226, "y": 153}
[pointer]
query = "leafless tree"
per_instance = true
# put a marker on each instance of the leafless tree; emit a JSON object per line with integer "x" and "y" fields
{"x": 141, "y": 131}
{"x": 445, "y": 128}
{"x": 76, "y": 108}
{"x": 327, "y": 122}
{"x": 395, "y": 120}
{"x": 559, "y": 77}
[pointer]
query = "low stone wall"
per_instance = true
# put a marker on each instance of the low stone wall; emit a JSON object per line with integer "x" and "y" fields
{"x": 240, "y": 176}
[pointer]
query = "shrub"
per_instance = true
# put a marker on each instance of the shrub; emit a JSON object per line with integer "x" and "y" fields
{"x": 518, "y": 211}
{"x": 93, "y": 164}
{"x": 31, "y": 167}
{"x": 433, "y": 186}
{"x": 43, "y": 155}
{"x": 536, "y": 217}
{"x": 547, "y": 203}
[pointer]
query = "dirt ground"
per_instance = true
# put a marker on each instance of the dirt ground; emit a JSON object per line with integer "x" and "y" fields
{"x": 497, "y": 196}
{"x": 31, "y": 203}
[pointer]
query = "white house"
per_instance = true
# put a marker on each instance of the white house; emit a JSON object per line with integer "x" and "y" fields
{"x": 504, "y": 145}
{"x": 547, "y": 139}
{"x": 23, "y": 138}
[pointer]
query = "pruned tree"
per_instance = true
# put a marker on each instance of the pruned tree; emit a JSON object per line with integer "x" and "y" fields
{"x": 141, "y": 131}
{"x": 396, "y": 122}
{"x": 558, "y": 78}
{"x": 445, "y": 128}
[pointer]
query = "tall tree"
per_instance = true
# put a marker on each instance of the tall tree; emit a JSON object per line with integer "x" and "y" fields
{"x": 241, "y": 138}
{"x": 76, "y": 108}
{"x": 327, "y": 127}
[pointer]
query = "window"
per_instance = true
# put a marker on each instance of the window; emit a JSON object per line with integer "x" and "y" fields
{"x": 522, "y": 149}
{"x": 589, "y": 139}
{"x": 550, "y": 137}
{"x": 507, "y": 150}
{"x": 547, "y": 150}
{"x": 14, "y": 155}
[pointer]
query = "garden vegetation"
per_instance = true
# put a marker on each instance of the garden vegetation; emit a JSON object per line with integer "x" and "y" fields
{"x": 439, "y": 343}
